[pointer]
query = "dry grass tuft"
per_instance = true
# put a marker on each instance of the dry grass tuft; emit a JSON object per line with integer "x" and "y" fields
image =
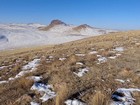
{"x": 24, "y": 83}
{"x": 99, "y": 99}
{"x": 126, "y": 72}
{"x": 23, "y": 100}
{"x": 62, "y": 94}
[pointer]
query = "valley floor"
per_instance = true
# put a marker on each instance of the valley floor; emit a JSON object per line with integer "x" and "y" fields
{"x": 101, "y": 70}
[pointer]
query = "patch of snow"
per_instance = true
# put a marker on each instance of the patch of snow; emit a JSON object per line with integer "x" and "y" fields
{"x": 47, "y": 59}
{"x": 22, "y": 73}
{"x": 102, "y": 60}
{"x": 124, "y": 96}
{"x": 111, "y": 51}
{"x": 1, "y": 82}
{"x": 34, "y": 103}
{"x": 2, "y": 67}
{"x": 119, "y": 49}
{"x": 120, "y": 80}
{"x": 112, "y": 57}
{"x": 79, "y": 63}
{"x": 31, "y": 65}
{"x": 128, "y": 80}
{"x": 93, "y": 52}
{"x": 92, "y": 48}
{"x": 99, "y": 56}
{"x": 81, "y": 55}
{"x": 11, "y": 79}
{"x": 81, "y": 72}
{"x": 48, "y": 96}
{"x": 118, "y": 55}
{"x": 74, "y": 102}
{"x": 102, "y": 49}
{"x": 35, "y": 78}
{"x": 62, "y": 59}
{"x": 47, "y": 89}
{"x": 50, "y": 57}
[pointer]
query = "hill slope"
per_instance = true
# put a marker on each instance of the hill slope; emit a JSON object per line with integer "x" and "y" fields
{"x": 88, "y": 71}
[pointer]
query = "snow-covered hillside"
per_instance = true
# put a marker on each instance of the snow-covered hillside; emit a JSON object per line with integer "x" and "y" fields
{"x": 25, "y": 35}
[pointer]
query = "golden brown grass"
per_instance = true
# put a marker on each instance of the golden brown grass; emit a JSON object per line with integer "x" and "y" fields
{"x": 9, "y": 93}
{"x": 99, "y": 99}
{"x": 100, "y": 78}
{"x": 62, "y": 94}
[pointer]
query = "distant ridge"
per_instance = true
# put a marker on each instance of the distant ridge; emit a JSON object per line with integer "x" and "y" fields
{"x": 80, "y": 27}
{"x": 58, "y": 26}
{"x": 57, "y": 22}
{"x": 53, "y": 24}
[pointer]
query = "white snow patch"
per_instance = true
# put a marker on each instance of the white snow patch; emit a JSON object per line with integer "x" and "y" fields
{"x": 118, "y": 55}
{"x": 102, "y": 60}
{"x": 35, "y": 78}
{"x": 47, "y": 59}
{"x": 2, "y": 67}
{"x": 119, "y": 49}
{"x": 11, "y": 79}
{"x": 92, "y": 48}
{"x": 74, "y": 102}
{"x": 99, "y": 56}
{"x": 126, "y": 99}
{"x": 81, "y": 55}
{"x": 102, "y": 49}
{"x": 31, "y": 65}
{"x": 34, "y": 103}
{"x": 22, "y": 73}
{"x": 112, "y": 57}
{"x": 81, "y": 72}
{"x": 50, "y": 57}
{"x": 1, "y": 82}
{"x": 62, "y": 59}
{"x": 112, "y": 51}
{"x": 120, "y": 80}
{"x": 47, "y": 89}
{"x": 93, "y": 52}
{"x": 128, "y": 80}
{"x": 79, "y": 63}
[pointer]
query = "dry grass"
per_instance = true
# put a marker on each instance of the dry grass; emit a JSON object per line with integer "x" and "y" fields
{"x": 62, "y": 94}
{"x": 99, "y": 99}
{"x": 14, "y": 90}
{"x": 100, "y": 78}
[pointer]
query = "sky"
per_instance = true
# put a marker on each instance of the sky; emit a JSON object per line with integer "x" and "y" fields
{"x": 111, "y": 14}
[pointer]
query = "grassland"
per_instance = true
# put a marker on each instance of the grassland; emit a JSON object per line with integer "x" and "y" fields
{"x": 96, "y": 85}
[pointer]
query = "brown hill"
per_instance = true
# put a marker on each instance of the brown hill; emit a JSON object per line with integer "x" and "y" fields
{"x": 52, "y": 24}
{"x": 83, "y": 26}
